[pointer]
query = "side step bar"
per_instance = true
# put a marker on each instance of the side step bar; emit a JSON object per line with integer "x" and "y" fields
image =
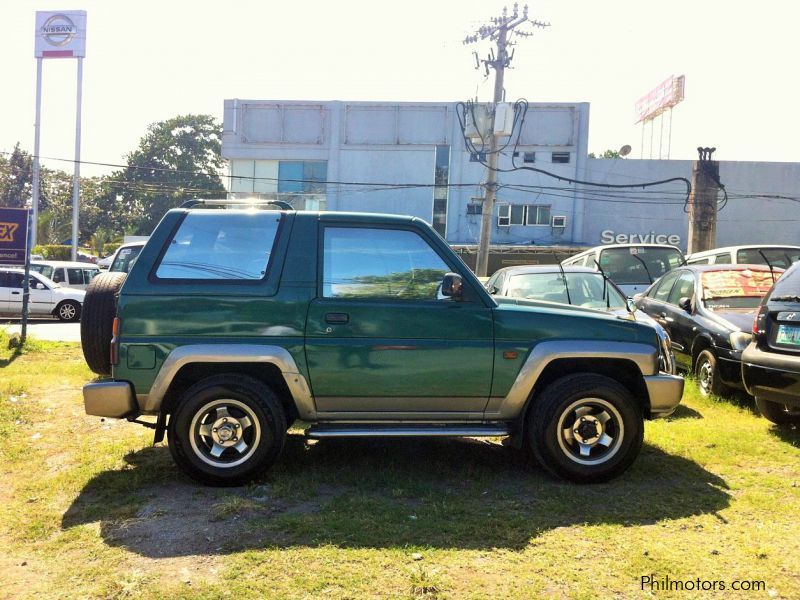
{"x": 338, "y": 430}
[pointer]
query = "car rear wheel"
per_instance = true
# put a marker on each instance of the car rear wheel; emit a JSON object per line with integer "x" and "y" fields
{"x": 707, "y": 374}
{"x": 585, "y": 428}
{"x": 99, "y": 310}
{"x": 780, "y": 414}
{"x": 227, "y": 429}
{"x": 68, "y": 310}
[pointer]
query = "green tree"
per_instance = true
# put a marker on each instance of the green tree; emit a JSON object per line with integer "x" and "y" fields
{"x": 16, "y": 179}
{"x": 175, "y": 161}
{"x": 606, "y": 154}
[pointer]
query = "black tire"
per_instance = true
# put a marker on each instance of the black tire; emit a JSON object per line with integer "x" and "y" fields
{"x": 99, "y": 310}
{"x": 707, "y": 374}
{"x": 780, "y": 414}
{"x": 612, "y": 428}
{"x": 199, "y": 409}
{"x": 68, "y": 310}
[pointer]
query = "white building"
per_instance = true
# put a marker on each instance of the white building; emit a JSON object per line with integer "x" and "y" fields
{"x": 353, "y": 156}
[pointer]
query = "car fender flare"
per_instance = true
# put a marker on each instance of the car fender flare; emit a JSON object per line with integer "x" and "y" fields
{"x": 230, "y": 353}
{"x": 643, "y": 355}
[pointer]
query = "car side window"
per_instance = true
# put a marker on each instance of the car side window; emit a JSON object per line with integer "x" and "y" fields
{"x": 360, "y": 262}
{"x": 498, "y": 283}
{"x": 683, "y": 288}
{"x": 722, "y": 259}
{"x": 75, "y": 276}
{"x": 661, "y": 292}
{"x": 58, "y": 275}
{"x": 699, "y": 261}
{"x": 207, "y": 247}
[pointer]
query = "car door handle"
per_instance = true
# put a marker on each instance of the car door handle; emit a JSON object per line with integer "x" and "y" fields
{"x": 337, "y": 318}
{"x": 15, "y": 293}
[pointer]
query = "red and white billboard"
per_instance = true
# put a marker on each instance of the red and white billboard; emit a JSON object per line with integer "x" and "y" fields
{"x": 665, "y": 95}
{"x": 60, "y": 34}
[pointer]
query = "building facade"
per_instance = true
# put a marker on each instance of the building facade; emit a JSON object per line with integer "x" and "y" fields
{"x": 411, "y": 158}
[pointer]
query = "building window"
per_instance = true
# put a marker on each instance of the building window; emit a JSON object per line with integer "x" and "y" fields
{"x": 523, "y": 214}
{"x": 441, "y": 178}
{"x": 530, "y": 157}
{"x": 302, "y": 177}
{"x": 560, "y": 157}
{"x": 475, "y": 206}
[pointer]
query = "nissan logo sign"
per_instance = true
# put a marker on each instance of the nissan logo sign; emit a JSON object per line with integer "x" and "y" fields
{"x": 59, "y": 30}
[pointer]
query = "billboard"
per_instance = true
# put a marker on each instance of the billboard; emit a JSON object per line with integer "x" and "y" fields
{"x": 60, "y": 34}
{"x": 665, "y": 95}
{"x": 13, "y": 235}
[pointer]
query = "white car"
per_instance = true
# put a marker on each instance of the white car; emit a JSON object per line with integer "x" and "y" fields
{"x": 46, "y": 296}
{"x": 67, "y": 273}
{"x": 778, "y": 256}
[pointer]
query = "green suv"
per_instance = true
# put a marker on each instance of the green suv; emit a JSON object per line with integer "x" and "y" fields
{"x": 236, "y": 322}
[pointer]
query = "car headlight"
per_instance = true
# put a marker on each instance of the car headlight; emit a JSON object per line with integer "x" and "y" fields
{"x": 740, "y": 339}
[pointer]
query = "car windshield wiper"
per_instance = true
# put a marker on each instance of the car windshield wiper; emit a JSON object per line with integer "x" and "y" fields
{"x": 786, "y": 298}
{"x": 646, "y": 270}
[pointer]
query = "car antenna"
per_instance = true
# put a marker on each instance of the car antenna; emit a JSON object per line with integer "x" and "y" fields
{"x": 769, "y": 264}
{"x": 564, "y": 277}
{"x": 606, "y": 295}
{"x": 646, "y": 270}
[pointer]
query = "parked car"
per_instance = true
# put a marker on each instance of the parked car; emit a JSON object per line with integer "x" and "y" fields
{"x": 68, "y": 274}
{"x": 633, "y": 267}
{"x": 234, "y": 323}
{"x": 708, "y": 312}
{"x": 778, "y": 256}
{"x": 577, "y": 286}
{"x": 771, "y": 363}
{"x": 46, "y": 296}
{"x": 125, "y": 256}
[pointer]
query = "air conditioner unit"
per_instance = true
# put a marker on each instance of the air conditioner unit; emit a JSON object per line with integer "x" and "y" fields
{"x": 558, "y": 221}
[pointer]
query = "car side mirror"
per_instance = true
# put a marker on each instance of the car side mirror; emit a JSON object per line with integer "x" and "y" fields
{"x": 453, "y": 286}
{"x": 492, "y": 289}
{"x": 685, "y": 303}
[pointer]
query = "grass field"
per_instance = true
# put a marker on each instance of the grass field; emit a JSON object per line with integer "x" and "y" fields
{"x": 90, "y": 509}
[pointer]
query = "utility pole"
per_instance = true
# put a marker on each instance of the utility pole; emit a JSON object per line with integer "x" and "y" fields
{"x": 500, "y": 31}
{"x": 703, "y": 202}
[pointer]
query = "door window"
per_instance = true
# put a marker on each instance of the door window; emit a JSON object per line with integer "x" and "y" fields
{"x": 684, "y": 288}
{"x": 722, "y": 259}
{"x": 58, "y": 275}
{"x": 661, "y": 292}
{"x": 380, "y": 263}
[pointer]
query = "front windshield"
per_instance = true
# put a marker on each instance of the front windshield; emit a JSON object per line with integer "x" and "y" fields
{"x": 638, "y": 265}
{"x": 585, "y": 289}
{"x": 45, "y": 270}
{"x": 125, "y": 259}
{"x": 742, "y": 288}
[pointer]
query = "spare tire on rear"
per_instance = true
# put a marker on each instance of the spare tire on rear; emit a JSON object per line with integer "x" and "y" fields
{"x": 99, "y": 310}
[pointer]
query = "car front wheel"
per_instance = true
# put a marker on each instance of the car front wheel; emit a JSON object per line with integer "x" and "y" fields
{"x": 707, "y": 374}
{"x": 227, "y": 429}
{"x": 585, "y": 428}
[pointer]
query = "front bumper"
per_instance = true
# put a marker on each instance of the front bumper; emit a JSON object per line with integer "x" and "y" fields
{"x": 665, "y": 391}
{"x": 114, "y": 399}
{"x": 771, "y": 376}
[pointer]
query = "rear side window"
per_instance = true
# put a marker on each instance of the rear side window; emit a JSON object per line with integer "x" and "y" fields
{"x": 125, "y": 259}
{"x": 722, "y": 259}
{"x": 221, "y": 245}
{"x": 75, "y": 276}
{"x": 777, "y": 257}
{"x": 788, "y": 284}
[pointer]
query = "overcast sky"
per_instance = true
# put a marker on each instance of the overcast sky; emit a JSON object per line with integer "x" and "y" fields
{"x": 148, "y": 61}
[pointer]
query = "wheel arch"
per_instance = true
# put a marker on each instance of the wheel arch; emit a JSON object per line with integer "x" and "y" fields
{"x": 272, "y": 365}
{"x": 702, "y": 342}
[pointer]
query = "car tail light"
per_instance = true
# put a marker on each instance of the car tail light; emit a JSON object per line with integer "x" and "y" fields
{"x": 760, "y": 323}
{"x": 114, "y": 348}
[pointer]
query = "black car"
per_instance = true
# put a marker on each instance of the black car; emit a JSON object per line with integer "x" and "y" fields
{"x": 771, "y": 363}
{"x": 708, "y": 312}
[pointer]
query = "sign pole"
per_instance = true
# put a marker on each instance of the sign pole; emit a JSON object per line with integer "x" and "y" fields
{"x": 26, "y": 288}
{"x": 36, "y": 129}
{"x": 76, "y": 180}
